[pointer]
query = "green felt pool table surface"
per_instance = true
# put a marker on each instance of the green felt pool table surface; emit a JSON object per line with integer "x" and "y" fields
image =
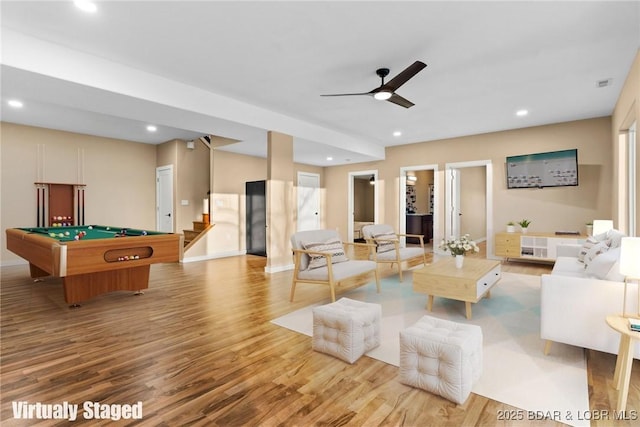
{"x": 67, "y": 234}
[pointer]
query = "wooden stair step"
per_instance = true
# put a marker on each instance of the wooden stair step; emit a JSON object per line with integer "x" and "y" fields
{"x": 200, "y": 225}
{"x": 189, "y": 235}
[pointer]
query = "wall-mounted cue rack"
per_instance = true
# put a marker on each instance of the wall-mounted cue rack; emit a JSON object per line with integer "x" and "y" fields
{"x": 59, "y": 205}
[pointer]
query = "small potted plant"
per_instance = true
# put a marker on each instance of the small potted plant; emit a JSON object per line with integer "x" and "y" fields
{"x": 511, "y": 227}
{"x": 524, "y": 225}
{"x": 589, "y": 226}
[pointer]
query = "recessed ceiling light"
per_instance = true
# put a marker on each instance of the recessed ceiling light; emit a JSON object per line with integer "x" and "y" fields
{"x": 152, "y": 128}
{"x": 397, "y": 133}
{"x": 86, "y": 6}
{"x": 15, "y": 103}
{"x": 329, "y": 158}
{"x": 522, "y": 113}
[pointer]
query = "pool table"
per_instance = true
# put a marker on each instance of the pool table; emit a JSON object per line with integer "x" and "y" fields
{"x": 94, "y": 259}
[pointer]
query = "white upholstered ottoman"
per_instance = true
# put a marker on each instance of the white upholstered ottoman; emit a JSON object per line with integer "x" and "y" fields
{"x": 346, "y": 328}
{"x": 441, "y": 357}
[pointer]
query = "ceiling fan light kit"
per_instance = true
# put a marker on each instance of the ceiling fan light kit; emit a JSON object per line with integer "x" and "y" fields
{"x": 386, "y": 91}
{"x": 382, "y": 96}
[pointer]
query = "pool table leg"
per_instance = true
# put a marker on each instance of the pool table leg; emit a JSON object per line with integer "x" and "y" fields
{"x": 82, "y": 287}
{"x": 36, "y": 273}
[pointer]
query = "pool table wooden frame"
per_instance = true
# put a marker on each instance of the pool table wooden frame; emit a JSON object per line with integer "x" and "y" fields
{"x": 89, "y": 268}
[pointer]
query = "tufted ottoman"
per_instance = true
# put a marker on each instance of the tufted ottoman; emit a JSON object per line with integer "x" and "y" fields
{"x": 441, "y": 357}
{"x": 346, "y": 328}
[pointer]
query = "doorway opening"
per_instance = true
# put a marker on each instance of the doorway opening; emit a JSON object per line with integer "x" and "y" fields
{"x": 418, "y": 203}
{"x": 469, "y": 201}
{"x": 363, "y": 202}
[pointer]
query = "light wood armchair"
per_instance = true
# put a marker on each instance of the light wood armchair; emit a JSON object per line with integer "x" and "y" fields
{"x": 387, "y": 248}
{"x": 335, "y": 272}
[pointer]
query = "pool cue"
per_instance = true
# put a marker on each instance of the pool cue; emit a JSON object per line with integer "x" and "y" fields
{"x": 38, "y": 206}
{"x": 82, "y": 206}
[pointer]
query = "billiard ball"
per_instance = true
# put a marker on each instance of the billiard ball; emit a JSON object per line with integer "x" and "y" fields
{"x": 76, "y": 237}
{"x": 66, "y": 233}
{"x": 144, "y": 233}
{"x": 108, "y": 228}
{"x": 91, "y": 227}
{"x": 60, "y": 234}
{"x": 52, "y": 234}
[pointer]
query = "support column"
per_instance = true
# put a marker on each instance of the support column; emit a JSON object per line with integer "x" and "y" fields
{"x": 280, "y": 202}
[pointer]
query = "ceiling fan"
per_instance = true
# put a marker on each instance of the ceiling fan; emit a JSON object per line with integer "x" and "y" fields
{"x": 386, "y": 91}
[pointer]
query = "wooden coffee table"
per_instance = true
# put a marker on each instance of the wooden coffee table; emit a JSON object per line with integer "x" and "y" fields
{"x": 470, "y": 283}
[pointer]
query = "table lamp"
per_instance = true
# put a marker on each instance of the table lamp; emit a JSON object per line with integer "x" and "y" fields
{"x": 602, "y": 226}
{"x": 630, "y": 268}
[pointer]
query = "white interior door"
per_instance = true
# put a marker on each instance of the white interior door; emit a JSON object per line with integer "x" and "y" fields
{"x": 453, "y": 205}
{"x": 164, "y": 198}
{"x": 633, "y": 181}
{"x": 308, "y": 201}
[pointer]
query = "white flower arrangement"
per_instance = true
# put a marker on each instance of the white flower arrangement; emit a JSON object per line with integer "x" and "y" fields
{"x": 459, "y": 246}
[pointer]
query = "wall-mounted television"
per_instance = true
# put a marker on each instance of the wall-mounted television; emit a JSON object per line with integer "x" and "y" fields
{"x": 538, "y": 170}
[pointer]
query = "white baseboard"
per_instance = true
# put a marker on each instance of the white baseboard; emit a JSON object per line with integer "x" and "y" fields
{"x": 213, "y": 256}
{"x": 279, "y": 268}
{"x": 12, "y": 263}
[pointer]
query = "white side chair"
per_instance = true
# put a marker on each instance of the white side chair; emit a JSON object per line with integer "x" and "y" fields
{"x": 388, "y": 249}
{"x": 320, "y": 257}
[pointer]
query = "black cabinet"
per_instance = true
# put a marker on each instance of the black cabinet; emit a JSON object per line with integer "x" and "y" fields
{"x": 420, "y": 224}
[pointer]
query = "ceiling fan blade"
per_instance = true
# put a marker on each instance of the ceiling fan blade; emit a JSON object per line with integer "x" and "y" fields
{"x": 397, "y": 99}
{"x": 347, "y": 94}
{"x": 404, "y": 76}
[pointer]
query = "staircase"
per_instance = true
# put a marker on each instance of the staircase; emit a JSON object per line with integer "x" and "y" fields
{"x": 199, "y": 228}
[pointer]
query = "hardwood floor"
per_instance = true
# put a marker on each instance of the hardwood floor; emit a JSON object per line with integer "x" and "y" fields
{"x": 199, "y": 349}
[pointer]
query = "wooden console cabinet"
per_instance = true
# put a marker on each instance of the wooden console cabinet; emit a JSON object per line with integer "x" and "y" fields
{"x": 533, "y": 246}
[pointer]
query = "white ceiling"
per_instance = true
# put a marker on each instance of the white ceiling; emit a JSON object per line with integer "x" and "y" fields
{"x": 237, "y": 69}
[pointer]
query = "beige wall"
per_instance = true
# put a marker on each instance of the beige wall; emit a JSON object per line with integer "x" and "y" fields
{"x": 119, "y": 177}
{"x": 190, "y": 179}
{"x": 228, "y": 209}
{"x": 192, "y": 183}
{"x": 550, "y": 209}
{"x": 625, "y": 113}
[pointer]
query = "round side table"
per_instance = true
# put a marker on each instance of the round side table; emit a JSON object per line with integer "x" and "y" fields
{"x": 624, "y": 360}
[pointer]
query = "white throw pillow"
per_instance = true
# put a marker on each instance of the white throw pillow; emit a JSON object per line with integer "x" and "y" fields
{"x": 334, "y": 247}
{"x": 388, "y": 242}
{"x": 600, "y": 267}
{"x": 588, "y": 244}
{"x": 614, "y": 237}
{"x": 594, "y": 252}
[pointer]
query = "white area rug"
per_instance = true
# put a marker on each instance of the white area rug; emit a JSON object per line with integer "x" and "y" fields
{"x": 515, "y": 371}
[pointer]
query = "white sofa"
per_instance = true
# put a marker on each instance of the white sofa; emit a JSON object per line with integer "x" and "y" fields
{"x": 575, "y": 300}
